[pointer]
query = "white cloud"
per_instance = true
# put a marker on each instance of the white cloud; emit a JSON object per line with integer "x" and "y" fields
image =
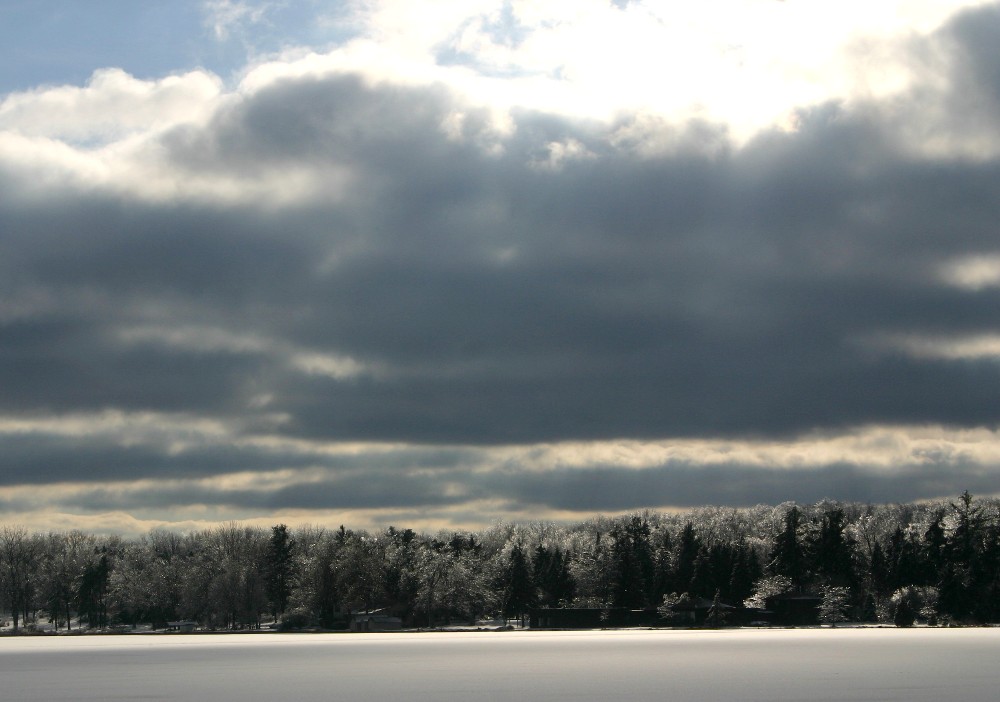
{"x": 882, "y": 447}
{"x": 223, "y": 16}
{"x": 198, "y": 339}
{"x": 973, "y": 273}
{"x": 745, "y": 63}
{"x": 39, "y": 164}
{"x": 143, "y": 167}
{"x": 112, "y": 106}
{"x": 201, "y": 339}
{"x": 558, "y": 153}
{"x": 338, "y": 367}
{"x": 108, "y": 136}
{"x": 948, "y": 348}
{"x": 870, "y": 447}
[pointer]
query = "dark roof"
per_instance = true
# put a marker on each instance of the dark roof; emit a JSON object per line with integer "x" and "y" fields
{"x": 796, "y": 596}
{"x": 698, "y": 603}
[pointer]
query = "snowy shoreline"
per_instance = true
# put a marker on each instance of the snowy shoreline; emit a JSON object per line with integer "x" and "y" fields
{"x": 146, "y": 631}
{"x": 685, "y": 665}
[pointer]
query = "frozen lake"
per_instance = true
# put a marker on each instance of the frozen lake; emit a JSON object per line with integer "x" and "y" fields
{"x": 679, "y": 666}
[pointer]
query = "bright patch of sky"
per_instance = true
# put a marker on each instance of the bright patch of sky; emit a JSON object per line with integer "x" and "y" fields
{"x": 749, "y": 63}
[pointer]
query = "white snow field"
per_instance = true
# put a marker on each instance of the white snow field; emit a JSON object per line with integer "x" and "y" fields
{"x": 955, "y": 665}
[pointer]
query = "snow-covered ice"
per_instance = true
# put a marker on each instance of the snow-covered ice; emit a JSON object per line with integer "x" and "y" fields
{"x": 911, "y": 665}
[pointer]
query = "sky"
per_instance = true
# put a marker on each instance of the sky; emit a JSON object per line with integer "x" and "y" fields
{"x": 441, "y": 264}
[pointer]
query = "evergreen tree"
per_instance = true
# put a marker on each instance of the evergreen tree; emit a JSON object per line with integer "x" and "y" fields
{"x": 933, "y": 552}
{"x": 280, "y": 569}
{"x": 831, "y": 551}
{"x": 906, "y": 561}
{"x": 633, "y": 564}
{"x": 988, "y": 604}
{"x": 713, "y": 570}
{"x": 716, "y": 613}
{"x": 519, "y": 590}
{"x": 687, "y": 554}
{"x": 663, "y": 575}
{"x": 877, "y": 587}
{"x": 788, "y": 554}
{"x": 552, "y": 577}
{"x": 702, "y": 582}
{"x": 745, "y": 572}
{"x": 878, "y": 573}
{"x": 962, "y": 582}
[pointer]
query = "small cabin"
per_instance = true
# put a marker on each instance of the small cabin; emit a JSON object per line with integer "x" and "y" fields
{"x": 375, "y": 621}
{"x": 185, "y": 626}
{"x": 589, "y": 617}
{"x": 794, "y": 609}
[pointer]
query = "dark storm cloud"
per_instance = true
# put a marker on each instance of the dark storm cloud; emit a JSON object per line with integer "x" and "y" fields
{"x": 975, "y": 77}
{"x": 583, "y": 489}
{"x": 38, "y": 458}
{"x": 705, "y": 291}
{"x": 360, "y": 491}
{"x": 690, "y": 295}
{"x": 611, "y": 489}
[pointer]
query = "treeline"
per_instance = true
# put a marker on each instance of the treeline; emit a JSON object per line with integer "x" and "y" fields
{"x": 938, "y": 562}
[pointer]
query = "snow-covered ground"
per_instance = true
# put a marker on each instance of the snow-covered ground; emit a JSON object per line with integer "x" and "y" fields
{"x": 680, "y": 666}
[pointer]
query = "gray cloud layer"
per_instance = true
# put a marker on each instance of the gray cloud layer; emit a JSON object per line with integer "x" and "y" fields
{"x": 488, "y": 298}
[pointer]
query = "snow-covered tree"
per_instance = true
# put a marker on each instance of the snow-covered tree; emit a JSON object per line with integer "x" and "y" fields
{"x": 834, "y": 605}
{"x": 768, "y": 587}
